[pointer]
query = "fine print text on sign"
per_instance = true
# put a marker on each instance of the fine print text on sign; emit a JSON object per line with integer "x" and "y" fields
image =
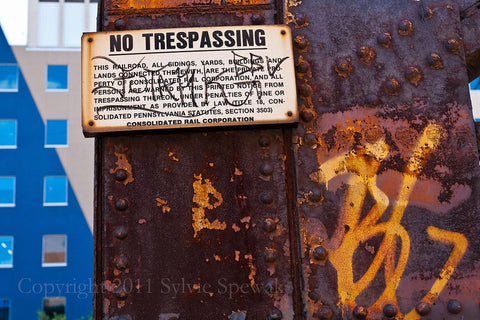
{"x": 195, "y": 77}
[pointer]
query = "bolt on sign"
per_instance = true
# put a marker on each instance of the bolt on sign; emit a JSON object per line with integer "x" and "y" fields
{"x": 195, "y": 77}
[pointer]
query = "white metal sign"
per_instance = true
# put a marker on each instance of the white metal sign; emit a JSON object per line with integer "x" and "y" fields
{"x": 195, "y": 77}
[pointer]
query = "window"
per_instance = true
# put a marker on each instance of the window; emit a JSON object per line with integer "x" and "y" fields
{"x": 5, "y": 309}
{"x": 8, "y": 78}
{"x": 56, "y": 134}
{"x": 55, "y": 191}
{"x": 54, "y": 306}
{"x": 8, "y": 134}
{"x": 7, "y": 191}
{"x": 54, "y": 251}
{"x": 57, "y": 77}
{"x": 6, "y": 252}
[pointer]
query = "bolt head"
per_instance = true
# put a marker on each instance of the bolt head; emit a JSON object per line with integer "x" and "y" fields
{"x": 366, "y": 54}
{"x": 435, "y": 61}
{"x": 266, "y": 169}
{"x": 360, "y": 312}
{"x": 121, "y": 204}
{"x": 121, "y": 262}
{"x": 307, "y": 115}
{"x": 121, "y": 293}
{"x": 270, "y": 255}
{"x": 257, "y": 19}
{"x": 310, "y": 139}
{"x": 302, "y": 67}
{"x": 120, "y": 24}
{"x": 269, "y": 225}
{"x": 304, "y": 90}
{"x": 372, "y": 100}
{"x": 392, "y": 87}
{"x": 271, "y": 286}
{"x": 426, "y": 12}
{"x": 300, "y": 42}
{"x": 390, "y": 310}
{"x": 315, "y": 195}
{"x": 121, "y": 175}
{"x": 423, "y": 308}
{"x": 275, "y": 314}
{"x": 264, "y": 141}
{"x": 324, "y": 313}
{"x": 300, "y": 19}
{"x": 405, "y": 28}
{"x": 121, "y": 232}
{"x": 319, "y": 253}
{"x": 453, "y": 45}
{"x": 385, "y": 39}
{"x": 267, "y": 197}
{"x": 413, "y": 75}
{"x": 454, "y": 306}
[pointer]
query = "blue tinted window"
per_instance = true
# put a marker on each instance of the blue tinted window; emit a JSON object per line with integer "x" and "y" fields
{"x": 8, "y": 134}
{"x": 8, "y": 77}
{"x": 55, "y": 191}
{"x": 7, "y": 191}
{"x": 6, "y": 252}
{"x": 56, "y": 133}
{"x": 57, "y": 77}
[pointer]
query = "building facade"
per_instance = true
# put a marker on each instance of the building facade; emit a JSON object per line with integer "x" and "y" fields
{"x": 46, "y": 171}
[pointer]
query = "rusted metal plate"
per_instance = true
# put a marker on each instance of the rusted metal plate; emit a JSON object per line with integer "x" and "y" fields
{"x": 470, "y": 21}
{"x": 187, "y": 77}
{"x": 200, "y": 232}
{"x": 192, "y": 225}
{"x": 387, "y": 164}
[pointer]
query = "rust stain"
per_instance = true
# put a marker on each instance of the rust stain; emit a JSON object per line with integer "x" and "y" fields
{"x": 163, "y": 205}
{"x": 171, "y": 156}
{"x": 202, "y": 190}
{"x": 122, "y": 163}
{"x": 253, "y": 269}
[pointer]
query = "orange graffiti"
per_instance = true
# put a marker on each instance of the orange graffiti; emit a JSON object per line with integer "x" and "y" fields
{"x": 361, "y": 166}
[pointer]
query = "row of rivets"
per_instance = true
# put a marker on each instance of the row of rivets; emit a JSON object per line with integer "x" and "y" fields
{"x": 390, "y": 310}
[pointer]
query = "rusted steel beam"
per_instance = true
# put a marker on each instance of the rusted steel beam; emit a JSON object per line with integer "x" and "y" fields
{"x": 470, "y": 18}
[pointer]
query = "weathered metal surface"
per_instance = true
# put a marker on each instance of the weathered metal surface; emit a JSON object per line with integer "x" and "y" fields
{"x": 470, "y": 21}
{"x": 367, "y": 210}
{"x": 387, "y": 166}
{"x": 192, "y": 225}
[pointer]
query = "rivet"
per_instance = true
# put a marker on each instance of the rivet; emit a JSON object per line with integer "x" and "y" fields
{"x": 452, "y": 45}
{"x": 426, "y": 12}
{"x": 302, "y": 67}
{"x": 423, "y": 308}
{"x": 121, "y": 293}
{"x": 289, "y": 113}
{"x": 121, "y": 204}
{"x": 392, "y": 87}
{"x": 267, "y": 197}
{"x": 275, "y": 314}
{"x": 454, "y": 306}
{"x": 121, "y": 175}
{"x": 343, "y": 67}
{"x": 271, "y": 286}
{"x": 385, "y": 39}
{"x": 266, "y": 169}
{"x": 389, "y": 310}
{"x": 120, "y": 232}
{"x": 324, "y": 313}
{"x": 315, "y": 195}
{"x": 91, "y": 123}
{"x": 366, "y": 54}
{"x": 300, "y": 19}
{"x": 372, "y": 100}
{"x": 319, "y": 253}
{"x": 413, "y": 75}
{"x": 405, "y": 28}
{"x": 270, "y": 255}
{"x": 310, "y": 139}
{"x": 257, "y": 19}
{"x": 121, "y": 262}
{"x": 269, "y": 225}
{"x": 304, "y": 90}
{"x": 264, "y": 141}
{"x": 360, "y": 312}
{"x": 307, "y": 115}
{"x": 435, "y": 61}
{"x": 300, "y": 42}
{"x": 120, "y": 24}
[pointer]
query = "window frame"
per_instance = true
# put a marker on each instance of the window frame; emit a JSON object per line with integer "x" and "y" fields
{"x": 54, "y": 264}
{"x": 15, "y": 89}
{"x": 46, "y": 144}
{"x": 47, "y": 79}
{"x": 14, "y": 146}
{"x": 55, "y": 297}
{"x": 14, "y": 195}
{"x": 55, "y": 204}
{"x": 9, "y": 305}
{"x": 10, "y": 265}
